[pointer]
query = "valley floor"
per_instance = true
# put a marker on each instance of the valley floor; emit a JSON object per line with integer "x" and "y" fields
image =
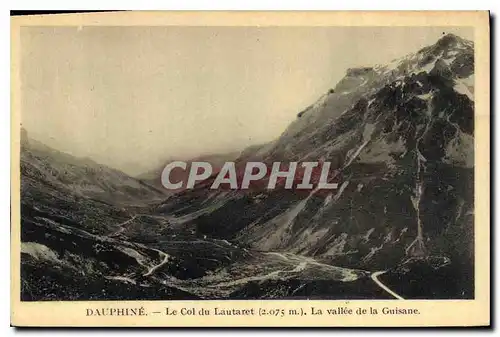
{"x": 127, "y": 264}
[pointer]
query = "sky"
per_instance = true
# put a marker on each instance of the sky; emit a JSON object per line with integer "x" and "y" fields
{"x": 133, "y": 97}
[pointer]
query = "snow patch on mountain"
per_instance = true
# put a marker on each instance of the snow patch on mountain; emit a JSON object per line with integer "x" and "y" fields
{"x": 39, "y": 252}
{"x": 460, "y": 150}
{"x": 465, "y": 86}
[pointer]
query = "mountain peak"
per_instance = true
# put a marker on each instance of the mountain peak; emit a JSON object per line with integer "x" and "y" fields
{"x": 446, "y": 43}
{"x": 449, "y": 40}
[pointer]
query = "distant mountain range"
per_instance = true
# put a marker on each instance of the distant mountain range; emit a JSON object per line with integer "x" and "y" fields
{"x": 153, "y": 177}
{"x": 402, "y": 136}
{"x": 81, "y": 176}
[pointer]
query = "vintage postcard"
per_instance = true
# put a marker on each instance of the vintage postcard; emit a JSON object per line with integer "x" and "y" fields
{"x": 239, "y": 169}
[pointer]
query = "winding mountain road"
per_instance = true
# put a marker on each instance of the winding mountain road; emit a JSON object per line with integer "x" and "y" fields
{"x": 155, "y": 267}
{"x": 166, "y": 257}
{"x": 121, "y": 226}
{"x": 383, "y": 286}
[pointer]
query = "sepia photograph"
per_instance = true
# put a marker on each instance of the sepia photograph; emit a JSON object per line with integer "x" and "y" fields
{"x": 248, "y": 162}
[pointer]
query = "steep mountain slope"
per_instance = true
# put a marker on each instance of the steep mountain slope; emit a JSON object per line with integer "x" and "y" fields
{"x": 81, "y": 176}
{"x": 402, "y": 136}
